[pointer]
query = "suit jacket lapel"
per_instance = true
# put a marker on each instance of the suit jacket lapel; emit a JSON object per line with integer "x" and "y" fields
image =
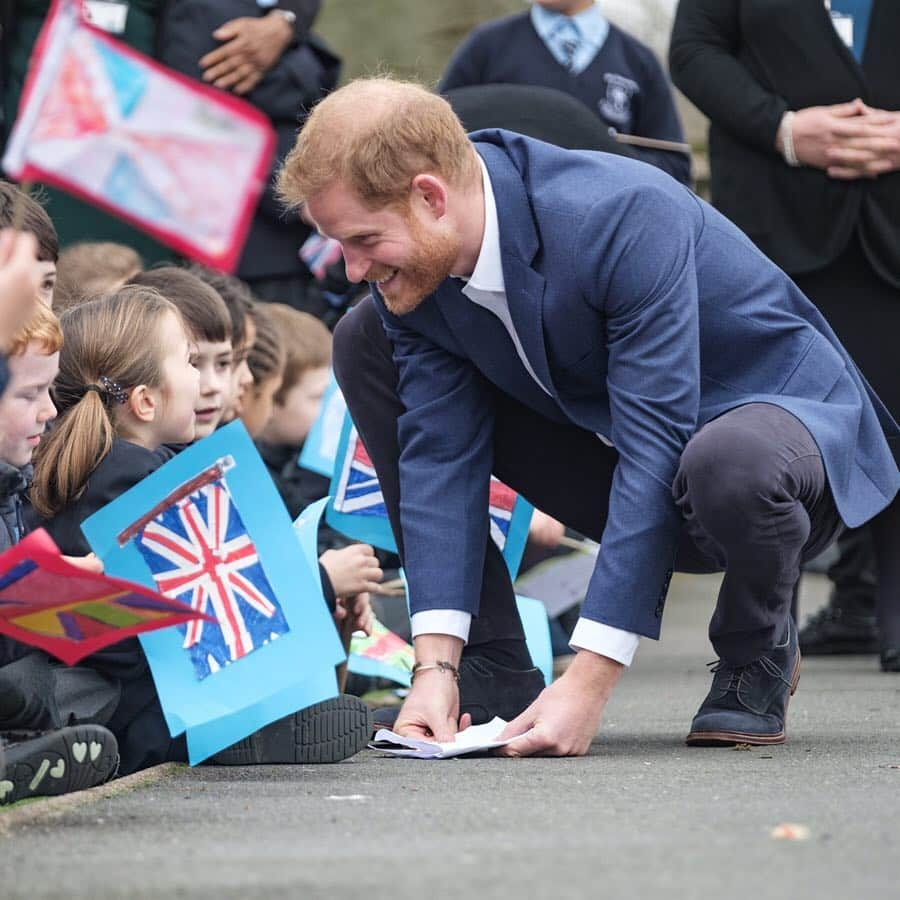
{"x": 519, "y": 245}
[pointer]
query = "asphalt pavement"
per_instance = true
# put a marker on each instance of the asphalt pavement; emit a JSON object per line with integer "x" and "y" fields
{"x": 641, "y": 816}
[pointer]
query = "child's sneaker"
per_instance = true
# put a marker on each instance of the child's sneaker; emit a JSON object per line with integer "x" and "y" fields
{"x": 44, "y": 764}
{"x": 324, "y": 733}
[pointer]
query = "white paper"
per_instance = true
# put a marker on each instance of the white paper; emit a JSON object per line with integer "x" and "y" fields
{"x": 475, "y": 739}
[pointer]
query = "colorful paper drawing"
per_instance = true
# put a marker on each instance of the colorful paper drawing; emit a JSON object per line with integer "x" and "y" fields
{"x": 124, "y": 133}
{"x": 382, "y": 654}
{"x": 358, "y": 510}
{"x": 71, "y": 613}
{"x": 321, "y": 444}
{"x": 279, "y": 676}
{"x": 199, "y": 551}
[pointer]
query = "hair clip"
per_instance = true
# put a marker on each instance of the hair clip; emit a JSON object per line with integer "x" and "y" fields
{"x": 114, "y": 389}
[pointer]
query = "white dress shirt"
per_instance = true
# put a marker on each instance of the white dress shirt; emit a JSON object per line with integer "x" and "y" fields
{"x": 487, "y": 288}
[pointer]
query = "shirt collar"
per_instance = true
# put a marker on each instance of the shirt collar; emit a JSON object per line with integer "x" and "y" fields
{"x": 591, "y": 24}
{"x": 488, "y": 272}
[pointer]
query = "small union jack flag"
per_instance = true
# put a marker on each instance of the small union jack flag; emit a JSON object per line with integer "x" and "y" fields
{"x": 358, "y": 490}
{"x": 501, "y": 503}
{"x": 199, "y": 552}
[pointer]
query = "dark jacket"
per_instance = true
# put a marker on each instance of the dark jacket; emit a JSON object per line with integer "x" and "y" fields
{"x": 14, "y": 483}
{"x": 510, "y": 51}
{"x": 121, "y": 469}
{"x": 744, "y": 63}
{"x": 305, "y": 73}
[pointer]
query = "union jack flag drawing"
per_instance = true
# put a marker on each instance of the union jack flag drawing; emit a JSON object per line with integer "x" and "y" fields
{"x": 502, "y": 502}
{"x": 358, "y": 490}
{"x": 357, "y": 508}
{"x": 199, "y": 552}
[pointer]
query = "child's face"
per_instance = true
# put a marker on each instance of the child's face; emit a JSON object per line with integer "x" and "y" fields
{"x": 241, "y": 377}
{"x": 291, "y": 420}
{"x": 256, "y": 408}
{"x": 47, "y": 269}
{"x": 26, "y": 407}
{"x": 213, "y": 360}
{"x": 180, "y": 392}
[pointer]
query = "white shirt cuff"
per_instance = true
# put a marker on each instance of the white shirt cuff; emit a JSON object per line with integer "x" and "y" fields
{"x": 604, "y": 639}
{"x": 441, "y": 621}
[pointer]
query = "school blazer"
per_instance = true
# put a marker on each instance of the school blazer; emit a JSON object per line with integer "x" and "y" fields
{"x": 744, "y": 63}
{"x": 645, "y": 313}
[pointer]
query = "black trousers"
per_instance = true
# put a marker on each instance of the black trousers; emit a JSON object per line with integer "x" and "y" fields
{"x": 751, "y": 486}
{"x": 864, "y": 311}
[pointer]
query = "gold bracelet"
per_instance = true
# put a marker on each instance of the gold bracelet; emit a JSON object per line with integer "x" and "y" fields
{"x": 441, "y": 665}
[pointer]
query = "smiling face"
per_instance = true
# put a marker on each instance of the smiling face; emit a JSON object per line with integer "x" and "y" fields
{"x": 213, "y": 360}
{"x": 26, "y": 407}
{"x": 405, "y": 252}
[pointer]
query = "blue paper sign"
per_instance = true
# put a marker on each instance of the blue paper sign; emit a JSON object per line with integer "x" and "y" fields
{"x": 357, "y": 508}
{"x": 537, "y": 634}
{"x": 210, "y": 529}
{"x": 321, "y": 444}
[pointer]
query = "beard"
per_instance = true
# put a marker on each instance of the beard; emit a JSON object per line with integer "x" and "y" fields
{"x": 430, "y": 262}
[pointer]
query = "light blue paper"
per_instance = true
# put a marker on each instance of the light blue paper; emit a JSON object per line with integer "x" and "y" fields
{"x": 320, "y": 447}
{"x": 239, "y": 698}
{"x": 537, "y": 634}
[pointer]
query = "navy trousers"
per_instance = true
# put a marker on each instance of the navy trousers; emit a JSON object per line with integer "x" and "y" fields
{"x": 751, "y": 486}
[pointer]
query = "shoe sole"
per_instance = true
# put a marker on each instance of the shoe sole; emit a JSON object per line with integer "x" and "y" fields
{"x": 327, "y": 732}
{"x": 332, "y": 731}
{"x": 730, "y": 738}
{"x": 59, "y": 762}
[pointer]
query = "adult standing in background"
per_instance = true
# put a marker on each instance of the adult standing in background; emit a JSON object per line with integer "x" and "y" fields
{"x": 267, "y": 54}
{"x": 570, "y": 46}
{"x": 803, "y": 98}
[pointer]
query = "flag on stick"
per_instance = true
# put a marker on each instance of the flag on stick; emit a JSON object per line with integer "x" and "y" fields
{"x": 178, "y": 159}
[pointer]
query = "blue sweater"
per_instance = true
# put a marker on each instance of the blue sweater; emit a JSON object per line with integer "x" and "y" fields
{"x": 624, "y": 85}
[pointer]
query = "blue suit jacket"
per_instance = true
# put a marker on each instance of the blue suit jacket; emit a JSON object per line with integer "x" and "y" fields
{"x": 646, "y": 313}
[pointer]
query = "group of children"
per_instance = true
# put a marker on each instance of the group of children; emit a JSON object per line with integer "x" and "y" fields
{"x": 137, "y": 365}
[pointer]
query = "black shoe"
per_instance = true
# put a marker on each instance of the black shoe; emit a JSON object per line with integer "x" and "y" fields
{"x": 890, "y": 659}
{"x": 324, "y": 733}
{"x": 833, "y": 631}
{"x": 486, "y": 689}
{"x": 748, "y": 704}
{"x": 57, "y": 762}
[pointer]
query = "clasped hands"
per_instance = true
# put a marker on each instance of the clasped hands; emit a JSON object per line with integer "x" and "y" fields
{"x": 250, "y": 47}
{"x": 848, "y": 140}
{"x": 562, "y": 721}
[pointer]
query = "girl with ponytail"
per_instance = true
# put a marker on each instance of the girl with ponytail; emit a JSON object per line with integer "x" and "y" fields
{"x": 125, "y": 388}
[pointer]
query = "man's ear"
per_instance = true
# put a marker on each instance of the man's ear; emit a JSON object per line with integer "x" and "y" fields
{"x": 143, "y": 403}
{"x": 430, "y": 192}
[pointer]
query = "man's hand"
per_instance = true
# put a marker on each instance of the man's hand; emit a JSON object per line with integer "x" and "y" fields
{"x": 431, "y": 711}
{"x": 251, "y": 47}
{"x": 817, "y": 129}
{"x": 867, "y": 156}
{"x": 20, "y": 278}
{"x": 565, "y": 717}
